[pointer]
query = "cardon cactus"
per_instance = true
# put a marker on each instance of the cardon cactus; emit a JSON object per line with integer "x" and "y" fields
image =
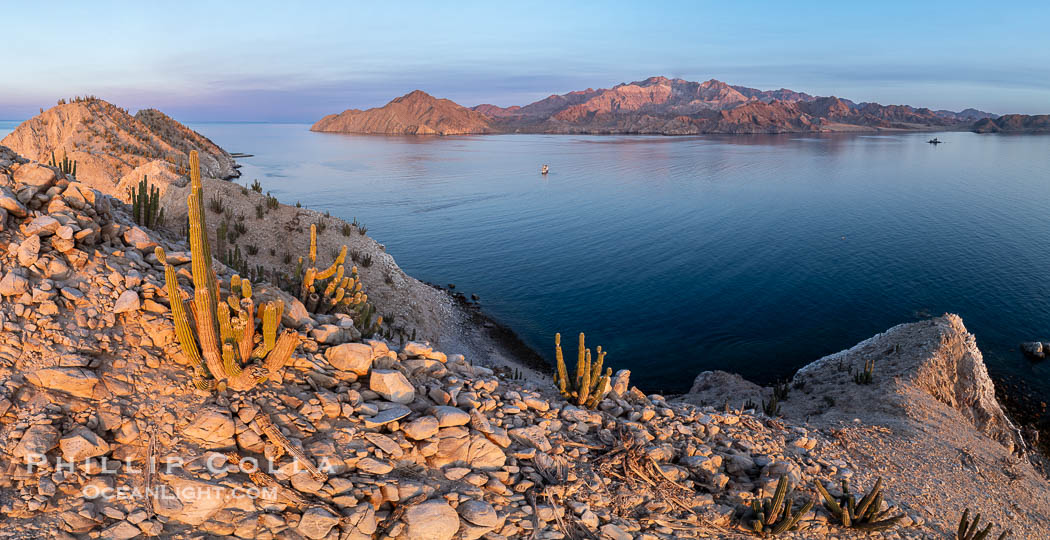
{"x": 333, "y": 289}
{"x": 68, "y": 168}
{"x": 969, "y": 530}
{"x": 588, "y": 387}
{"x": 222, "y": 343}
{"x": 866, "y": 514}
{"x": 145, "y": 204}
{"x": 773, "y": 516}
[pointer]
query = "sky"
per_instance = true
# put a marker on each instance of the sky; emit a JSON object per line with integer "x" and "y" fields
{"x": 295, "y": 62}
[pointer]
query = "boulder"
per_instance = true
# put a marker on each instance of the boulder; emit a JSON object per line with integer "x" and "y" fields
{"x": 355, "y": 357}
{"x": 421, "y": 428}
{"x": 81, "y": 443}
{"x": 41, "y": 226}
{"x": 392, "y": 385}
{"x": 37, "y": 175}
{"x": 432, "y": 520}
{"x": 1033, "y": 350}
{"x": 13, "y": 284}
{"x": 10, "y": 203}
{"x": 29, "y": 251}
{"x": 75, "y": 381}
{"x": 127, "y": 301}
{"x": 450, "y": 416}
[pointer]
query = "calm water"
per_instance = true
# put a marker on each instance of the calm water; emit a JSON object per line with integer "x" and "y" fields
{"x": 755, "y": 254}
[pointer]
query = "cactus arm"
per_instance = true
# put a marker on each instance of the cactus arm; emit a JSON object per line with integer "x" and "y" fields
{"x": 183, "y": 331}
{"x": 829, "y": 501}
{"x": 862, "y": 507}
{"x": 247, "y": 342}
{"x": 282, "y": 351}
{"x": 563, "y": 376}
{"x": 778, "y": 498}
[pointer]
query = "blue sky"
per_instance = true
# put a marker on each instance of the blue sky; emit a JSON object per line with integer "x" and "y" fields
{"x": 281, "y": 61}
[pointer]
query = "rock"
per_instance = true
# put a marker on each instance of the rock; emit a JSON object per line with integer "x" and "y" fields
{"x": 614, "y": 532}
{"x": 191, "y": 501}
{"x": 37, "y": 175}
{"x": 392, "y": 385}
{"x": 138, "y": 239}
{"x": 29, "y": 251}
{"x": 11, "y": 204}
{"x": 450, "y": 416}
{"x": 127, "y": 301}
{"x": 389, "y": 415}
{"x": 421, "y": 428}
{"x": 211, "y": 427}
{"x": 75, "y": 381}
{"x": 122, "y": 530}
{"x": 355, "y": 357}
{"x": 1033, "y": 349}
{"x": 38, "y": 440}
{"x": 41, "y": 226}
{"x": 479, "y": 513}
{"x": 81, "y": 443}
{"x": 715, "y": 387}
{"x": 533, "y": 436}
{"x": 316, "y": 523}
{"x": 374, "y": 466}
{"x": 432, "y": 520}
{"x": 13, "y": 284}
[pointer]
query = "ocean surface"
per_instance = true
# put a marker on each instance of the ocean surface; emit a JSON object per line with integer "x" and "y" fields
{"x": 753, "y": 254}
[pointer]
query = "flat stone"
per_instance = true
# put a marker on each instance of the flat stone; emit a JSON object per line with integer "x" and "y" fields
{"x": 432, "y": 520}
{"x": 423, "y": 427}
{"x": 355, "y": 357}
{"x": 316, "y": 523}
{"x": 392, "y": 385}
{"x": 81, "y": 443}
{"x": 385, "y": 417}
{"x": 76, "y": 381}
{"x": 211, "y": 426}
{"x": 374, "y": 466}
{"x": 127, "y": 301}
{"x": 122, "y": 530}
{"x": 450, "y": 416}
{"x": 36, "y": 441}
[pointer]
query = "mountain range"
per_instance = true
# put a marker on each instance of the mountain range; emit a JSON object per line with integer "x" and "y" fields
{"x": 657, "y": 105}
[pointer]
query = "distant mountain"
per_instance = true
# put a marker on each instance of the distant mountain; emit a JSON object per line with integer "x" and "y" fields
{"x": 1014, "y": 123}
{"x": 415, "y": 113}
{"x": 657, "y": 105}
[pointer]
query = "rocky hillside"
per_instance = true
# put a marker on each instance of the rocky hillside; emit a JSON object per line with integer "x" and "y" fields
{"x": 1014, "y": 123}
{"x": 659, "y": 105}
{"x": 415, "y": 113}
{"x": 108, "y": 143}
{"x": 376, "y": 440}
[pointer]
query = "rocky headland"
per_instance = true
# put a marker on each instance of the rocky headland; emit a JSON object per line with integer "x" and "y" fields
{"x": 1014, "y": 123}
{"x": 657, "y": 105}
{"x": 409, "y": 439}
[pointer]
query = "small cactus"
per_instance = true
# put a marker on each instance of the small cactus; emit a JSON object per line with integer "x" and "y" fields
{"x": 68, "y": 168}
{"x": 588, "y": 387}
{"x": 866, "y": 376}
{"x": 773, "y": 516}
{"x": 145, "y": 204}
{"x": 865, "y": 514}
{"x": 968, "y": 530}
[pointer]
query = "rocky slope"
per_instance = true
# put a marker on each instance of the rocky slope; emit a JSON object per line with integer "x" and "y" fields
{"x": 1014, "y": 123}
{"x": 108, "y": 143}
{"x": 656, "y": 105}
{"x": 414, "y": 443}
{"x": 415, "y": 113}
{"x": 930, "y": 412}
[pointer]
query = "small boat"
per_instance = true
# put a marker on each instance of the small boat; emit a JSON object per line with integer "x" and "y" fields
{"x": 935, "y": 140}
{"x": 545, "y": 169}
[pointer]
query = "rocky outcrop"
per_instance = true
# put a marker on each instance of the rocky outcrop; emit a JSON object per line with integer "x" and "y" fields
{"x": 415, "y": 113}
{"x": 412, "y": 442}
{"x": 108, "y": 143}
{"x": 657, "y": 105}
{"x": 1014, "y": 123}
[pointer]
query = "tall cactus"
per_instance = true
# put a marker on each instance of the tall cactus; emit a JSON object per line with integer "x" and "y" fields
{"x": 588, "y": 386}
{"x": 68, "y": 168}
{"x": 145, "y": 204}
{"x": 866, "y": 514}
{"x": 223, "y": 337}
